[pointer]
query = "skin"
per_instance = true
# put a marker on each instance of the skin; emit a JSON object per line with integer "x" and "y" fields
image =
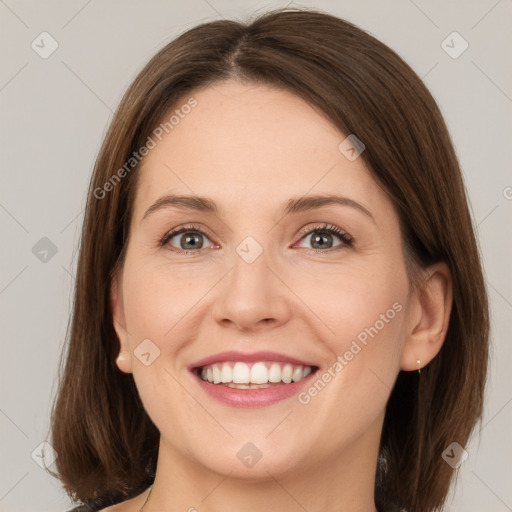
{"x": 250, "y": 148}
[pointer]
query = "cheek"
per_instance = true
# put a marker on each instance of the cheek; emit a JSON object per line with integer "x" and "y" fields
{"x": 358, "y": 302}
{"x": 157, "y": 297}
{"x": 371, "y": 316}
{"x": 340, "y": 304}
{"x": 368, "y": 317}
{"x": 155, "y": 307}
{"x": 161, "y": 304}
{"x": 365, "y": 312}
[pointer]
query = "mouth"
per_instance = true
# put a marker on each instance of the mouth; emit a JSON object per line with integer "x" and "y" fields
{"x": 258, "y": 375}
{"x": 251, "y": 380}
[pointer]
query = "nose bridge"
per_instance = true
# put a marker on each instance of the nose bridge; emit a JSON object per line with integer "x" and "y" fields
{"x": 250, "y": 266}
{"x": 251, "y": 292}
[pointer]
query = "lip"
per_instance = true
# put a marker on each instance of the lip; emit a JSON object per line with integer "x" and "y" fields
{"x": 250, "y": 398}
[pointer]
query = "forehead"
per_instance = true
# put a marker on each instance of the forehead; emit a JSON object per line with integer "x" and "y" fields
{"x": 251, "y": 145}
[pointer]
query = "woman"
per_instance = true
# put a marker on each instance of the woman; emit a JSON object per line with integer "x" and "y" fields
{"x": 279, "y": 298}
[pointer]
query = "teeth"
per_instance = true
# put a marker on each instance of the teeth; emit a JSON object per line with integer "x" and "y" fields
{"x": 226, "y": 374}
{"x": 247, "y": 386}
{"x": 274, "y": 373}
{"x": 261, "y": 374}
{"x": 216, "y": 375}
{"x": 297, "y": 374}
{"x": 286, "y": 375}
{"x": 240, "y": 373}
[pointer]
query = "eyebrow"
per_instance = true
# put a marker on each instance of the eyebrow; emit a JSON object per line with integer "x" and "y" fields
{"x": 293, "y": 205}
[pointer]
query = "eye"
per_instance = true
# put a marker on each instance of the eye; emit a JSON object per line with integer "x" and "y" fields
{"x": 321, "y": 237}
{"x": 188, "y": 239}
{"x": 191, "y": 239}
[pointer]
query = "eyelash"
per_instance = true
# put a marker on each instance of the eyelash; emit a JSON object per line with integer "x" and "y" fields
{"x": 347, "y": 239}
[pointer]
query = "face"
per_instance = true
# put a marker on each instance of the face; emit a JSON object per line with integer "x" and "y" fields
{"x": 251, "y": 292}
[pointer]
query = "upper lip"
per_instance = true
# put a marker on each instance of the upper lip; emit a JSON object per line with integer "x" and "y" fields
{"x": 252, "y": 357}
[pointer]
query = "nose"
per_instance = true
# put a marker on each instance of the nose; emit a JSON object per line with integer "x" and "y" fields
{"x": 253, "y": 296}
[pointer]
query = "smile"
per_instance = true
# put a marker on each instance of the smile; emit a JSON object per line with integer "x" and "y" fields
{"x": 261, "y": 374}
{"x": 251, "y": 380}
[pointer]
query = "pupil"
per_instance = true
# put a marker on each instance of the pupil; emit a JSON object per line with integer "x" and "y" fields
{"x": 189, "y": 239}
{"x": 318, "y": 239}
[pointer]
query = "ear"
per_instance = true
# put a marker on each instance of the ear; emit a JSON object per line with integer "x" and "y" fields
{"x": 124, "y": 359}
{"x": 431, "y": 304}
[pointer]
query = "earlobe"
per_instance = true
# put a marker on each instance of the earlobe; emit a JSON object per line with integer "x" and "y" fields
{"x": 123, "y": 360}
{"x": 432, "y": 303}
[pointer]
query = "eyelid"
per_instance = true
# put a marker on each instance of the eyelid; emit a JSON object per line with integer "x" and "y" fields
{"x": 325, "y": 226}
{"x": 345, "y": 238}
{"x": 184, "y": 229}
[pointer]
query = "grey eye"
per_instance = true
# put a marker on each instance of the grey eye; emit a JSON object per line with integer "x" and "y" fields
{"x": 321, "y": 239}
{"x": 189, "y": 240}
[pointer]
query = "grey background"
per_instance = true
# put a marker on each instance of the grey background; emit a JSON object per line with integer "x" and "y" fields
{"x": 54, "y": 115}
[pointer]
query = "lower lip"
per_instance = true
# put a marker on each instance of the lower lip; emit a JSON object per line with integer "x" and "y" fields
{"x": 252, "y": 397}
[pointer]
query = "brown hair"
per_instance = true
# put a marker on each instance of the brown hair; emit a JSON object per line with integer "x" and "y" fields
{"x": 107, "y": 445}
